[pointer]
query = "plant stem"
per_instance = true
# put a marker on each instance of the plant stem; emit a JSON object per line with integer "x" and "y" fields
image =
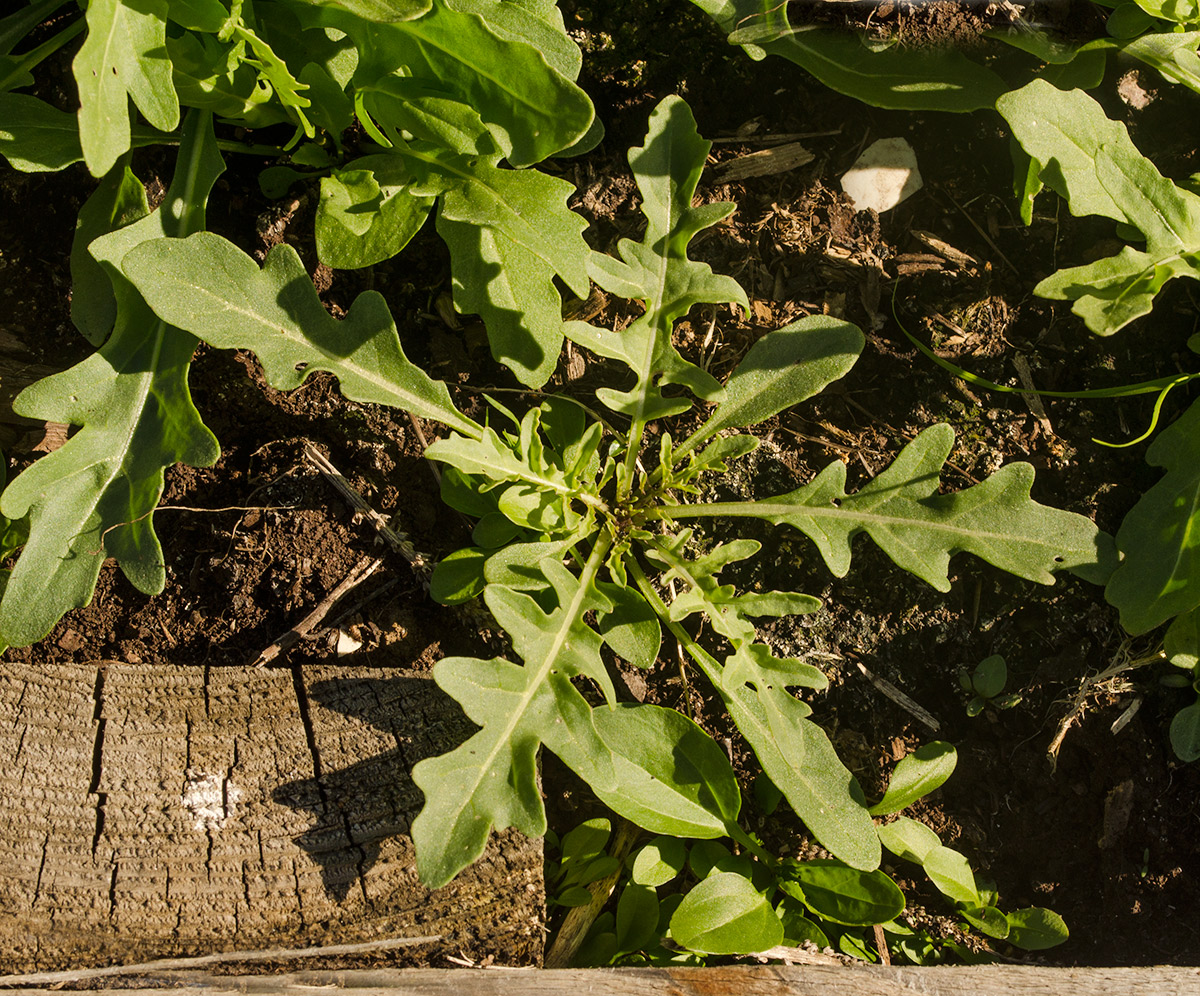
{"x": 25, "y": 62}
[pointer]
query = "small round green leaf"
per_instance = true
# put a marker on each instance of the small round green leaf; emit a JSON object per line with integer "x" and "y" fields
{"x": 1185, "y": 733}
{"x": 632, "y": 629}
{"x": 918, "y": 774}
{"x": 705, "y": 855}
{"x": 458, "y": 577}
{"x": 576, "y": 895}
{"x": 990, "y": 676}
{"x": 659, "y": 861}
{"x": 1036, "y": 929}
{"x": 843, "y": 894}
{"x": 725, "y": 914}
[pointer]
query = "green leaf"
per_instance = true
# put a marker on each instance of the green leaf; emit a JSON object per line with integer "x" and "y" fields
{"x": 659, "y": 862}
{"x": 798, "y": 928}
{"x": 1185, "y": 733}
{"x": 531, "y": 110}
{"x": 209, "y": 287}
{"x": 632, "y": 629}
{"x": 656, "y": 270}
{"x": 383, "y": 11}
{"x": 123, "y": 56}
{"x": 36, "y": 137}
{"x": 908, "y": 839}
{"x": 798, "y": 757}
{"x": 93, "y": 498}
{"x": 491, "y": 780}
{"x": 458, "y": 577}
{"x": 1036, "y": 929}
{"x": 671, "y": 777}
{"x": 367, "y": 212}
{"x": 199, "y": 15}
{"x": 1091, "y": 161}
{"x": 951, "y": 873}
{"x": 1182, "y": 642}
{"x": 119, "y": 200}
{"x": 213, "y": 75}
{"x": 725, "y": 914}
{"x": 581, "y": 844}
{"x": 1173, "y": 54}
{"x": 637, "y": 917}
{"x": 783, "y": 368}
{"x": 920, "y": 529}
{"x": 917, "y": 774}
{"x": 843, "y": 894}
{"x": 989, "y": 677}
{"x": 988, "y": 919}
{"x": 1159, "y": 576}
{"x": 898, "y": 77}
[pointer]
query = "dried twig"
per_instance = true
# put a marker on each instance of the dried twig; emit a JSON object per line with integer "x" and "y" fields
{"x": 363, "y": 570}
{"x": 902, "y": 700}
{"x": 224, "y": 957}
{"x": 398, "y": 541}
{"x": 1030, "y": 395}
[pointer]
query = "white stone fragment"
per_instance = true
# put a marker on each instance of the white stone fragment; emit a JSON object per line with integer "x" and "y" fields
{"x": 346, "y": 644}
{"x": 884, "y": 175}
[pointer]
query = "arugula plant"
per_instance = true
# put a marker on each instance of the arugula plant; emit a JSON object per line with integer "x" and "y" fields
{"x": 1091, "y": 162}
{"x": 985, "y": 684}
{"x": 580, "y": 526}
{"x": 684, "y": 901}
{"x": 451, "y": 90}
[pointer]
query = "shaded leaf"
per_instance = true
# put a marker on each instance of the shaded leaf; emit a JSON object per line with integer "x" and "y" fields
{"x": 36, "y": 137}
{"x": 1159, "y": 576}
{"x": 637, "y": 917}
{"x": 1036, "y": 929}
{"x": 843, "y": 894}
{"x": 1092, "y": 163}
{"x": 658, "y": 862}
{"x": 898, "y": 77}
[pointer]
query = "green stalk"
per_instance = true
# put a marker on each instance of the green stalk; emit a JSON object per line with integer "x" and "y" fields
{"x": 22, "y": 64}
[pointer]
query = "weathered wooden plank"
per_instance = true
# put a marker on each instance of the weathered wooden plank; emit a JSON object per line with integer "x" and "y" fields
{"x": 149, "y": 812}
{"x": 870, "y": 980}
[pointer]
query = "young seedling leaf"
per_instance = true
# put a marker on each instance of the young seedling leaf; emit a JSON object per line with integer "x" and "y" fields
{"x": 917, "y": 774}
{"x": 908, "y": 839}
{"x": 1036, "y": 929}
{"x": 1159, "y": 576}
{"x": 951, "y": 873}
{"x": 725, "y": 914}
{"x": 123, "y": 56}
{"x": 94, "y": 497}
{"x": 843, "y": 894}
{"x": 1091, "y": 161}
{"x": 637, "y": 917}
{"x": 988, "y": 919}
{"x": 659, "y": 862}
{"x": 920, "y": 529}
{"x": 208, "y": 286}
{"x": 990, "y": 676}
{"x": 367, "y": 212}
{"x": 898, "y": 77}
{"x": 1185, "y": 733}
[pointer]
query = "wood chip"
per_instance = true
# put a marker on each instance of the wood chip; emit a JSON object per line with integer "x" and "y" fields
{"x": 765, "y": 163}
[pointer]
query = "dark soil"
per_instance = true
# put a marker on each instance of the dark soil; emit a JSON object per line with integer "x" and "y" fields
{"x": 1107, "y": 836}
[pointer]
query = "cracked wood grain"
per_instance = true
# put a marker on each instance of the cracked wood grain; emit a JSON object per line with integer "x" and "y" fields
{"x": 154, "y": 812}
